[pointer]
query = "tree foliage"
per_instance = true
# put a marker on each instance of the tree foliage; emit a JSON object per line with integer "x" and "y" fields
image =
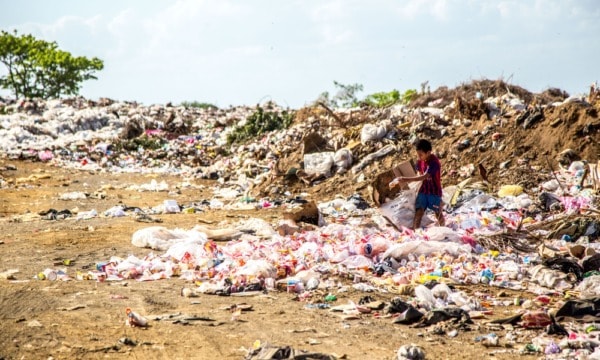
{"x": 345, "y": 96}
{"x": 39, "y": 69}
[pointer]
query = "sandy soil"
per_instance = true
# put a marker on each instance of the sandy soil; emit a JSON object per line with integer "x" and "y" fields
{"x": 86, "y": 319}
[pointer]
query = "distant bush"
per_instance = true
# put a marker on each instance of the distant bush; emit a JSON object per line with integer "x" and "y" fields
{"x": 347, "y": 96}
{"x": 384, "y": 99}
{"x": 197, "y": 104}
{"x": 260, "y": 122}
{"x": 145, "y": 142}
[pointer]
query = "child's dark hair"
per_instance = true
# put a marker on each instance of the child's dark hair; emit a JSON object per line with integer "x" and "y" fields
{"x": 423, "y": 145}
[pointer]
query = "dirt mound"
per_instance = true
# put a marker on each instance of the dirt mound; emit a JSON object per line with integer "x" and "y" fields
{"x": 443, "y": 95}
{"x": 515, "y": 145}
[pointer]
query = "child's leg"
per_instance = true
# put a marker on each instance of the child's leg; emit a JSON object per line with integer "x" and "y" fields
{"x": 440, "y": 218}
{"x": 417, "y": 220}
{"x": 438, "y": 208}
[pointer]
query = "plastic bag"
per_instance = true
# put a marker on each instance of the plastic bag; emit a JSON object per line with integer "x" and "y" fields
{"x": 171, "y": 207}
{"x": 549, "y": 278}
{"x": 510, "y": 190}
{"x": 441, "y": 291}
{"x": 357, "y": 262}
{"x": 115, "y": 211}
{"x": 161, "y": 238}
{"x": 442, "y": 233}
{"x": 342, "y": 159}
{"x": 479, "y": 202}
{"x": 589, "y": 287}
{"x": 257, "y": 268}
{"x": 372, "y": 132}
{"x": 318, "y": 163}
{"x": 425, "y": 297}
{"x": 420, "y": 247}
{"x": 401, "y": 210}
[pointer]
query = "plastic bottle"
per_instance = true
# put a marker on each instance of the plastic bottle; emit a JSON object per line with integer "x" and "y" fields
{"x": 135, "y": 319}
{"x": 330, "y": 298}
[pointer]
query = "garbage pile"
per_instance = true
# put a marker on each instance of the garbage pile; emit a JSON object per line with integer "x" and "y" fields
{"x": 521, "y": 214}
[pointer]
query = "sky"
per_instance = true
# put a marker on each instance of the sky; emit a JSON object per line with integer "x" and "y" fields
{"x": 227, "y": 52}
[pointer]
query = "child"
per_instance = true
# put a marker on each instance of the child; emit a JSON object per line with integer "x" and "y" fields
{"x": 430, "y": 193}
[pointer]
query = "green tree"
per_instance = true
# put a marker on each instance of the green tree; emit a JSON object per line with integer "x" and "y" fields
{"x": 344, "y": 97}
{"x": 37, "y": 68}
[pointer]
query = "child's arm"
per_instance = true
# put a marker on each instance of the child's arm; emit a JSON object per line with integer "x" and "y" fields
{"x": 406, "y": 179}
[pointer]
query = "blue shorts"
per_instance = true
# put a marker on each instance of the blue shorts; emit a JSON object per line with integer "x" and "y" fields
{"x": 428, "y": 201}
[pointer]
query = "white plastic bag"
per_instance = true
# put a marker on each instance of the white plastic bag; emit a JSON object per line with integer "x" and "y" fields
{"x": 372, "y": 132}
{"x": 357, "y": 262}
{"x": 171, "y": 207}
{"x": 420, "y": 247}
{"x": 589, "y": 287}
{"x": 401, "y": 210}
{"x": 318, "y": 163}
{"x": 161, "y": 238}
{"x": 342, "y": 159}
{"x": 257, "y": 268}
{"x": 442, "y": 233}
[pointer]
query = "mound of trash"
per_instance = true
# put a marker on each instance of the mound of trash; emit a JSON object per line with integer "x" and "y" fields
{"x": 521, "y": 177}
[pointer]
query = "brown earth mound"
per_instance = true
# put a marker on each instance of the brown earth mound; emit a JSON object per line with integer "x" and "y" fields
{"x": 516, "y": 147}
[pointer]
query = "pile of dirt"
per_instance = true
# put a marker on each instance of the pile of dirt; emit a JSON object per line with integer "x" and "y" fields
{"x": 515, "y": 146}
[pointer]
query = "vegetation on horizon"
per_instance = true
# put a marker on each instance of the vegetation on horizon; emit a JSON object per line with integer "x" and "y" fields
{"x": 260, "y": 122}
{"x": 347, "y": 97}
{"x": 198, "y": 105}
{"x": 39, "y": 69}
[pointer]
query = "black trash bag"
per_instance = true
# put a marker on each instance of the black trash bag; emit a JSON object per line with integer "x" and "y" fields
{"x": 585, "y": 310}
{"x": 457, "y": 315}
{"x": 592, "y": 263}
{"x": 565, "y": 265}
{"x": 556, "y": 329}
{"x": 396, "y": 305}
{"x": 409, "y": 316}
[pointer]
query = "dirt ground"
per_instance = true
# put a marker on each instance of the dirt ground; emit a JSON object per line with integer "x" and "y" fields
{"x": 43, "y": 319}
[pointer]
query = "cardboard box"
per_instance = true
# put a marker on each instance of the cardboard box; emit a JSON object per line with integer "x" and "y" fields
{"x": 380, "y": 186}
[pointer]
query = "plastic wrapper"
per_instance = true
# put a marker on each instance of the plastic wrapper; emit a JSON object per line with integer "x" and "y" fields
{"x": 442, "y": 233}
{"x": 258, "y": 269}
{"x": 549, "y": 278}
{"x": 589, "y": 287}
{"x": 357, "y": 262}
{"x": 161, "y": 238}
{"x": 420, "y": 247}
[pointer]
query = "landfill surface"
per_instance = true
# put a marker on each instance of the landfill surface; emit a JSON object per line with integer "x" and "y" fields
{"x": 137, "y": 231}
